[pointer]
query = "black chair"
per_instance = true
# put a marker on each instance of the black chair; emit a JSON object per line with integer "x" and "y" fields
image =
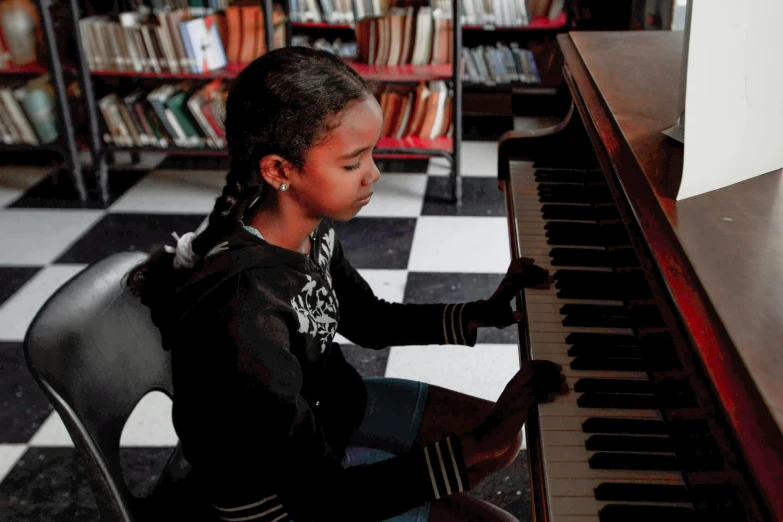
{"x": 95, "y": 352}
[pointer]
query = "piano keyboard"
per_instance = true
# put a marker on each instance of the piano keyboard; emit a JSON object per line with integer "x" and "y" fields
{"x": 606, "y": 455}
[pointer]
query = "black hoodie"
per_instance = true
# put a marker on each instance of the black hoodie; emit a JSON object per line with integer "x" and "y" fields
{"x": 265, "y": 403}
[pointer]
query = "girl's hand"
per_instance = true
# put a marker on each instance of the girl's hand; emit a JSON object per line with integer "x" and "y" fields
{"x": 496, "y": 311}
{"x": 535, "y": 382}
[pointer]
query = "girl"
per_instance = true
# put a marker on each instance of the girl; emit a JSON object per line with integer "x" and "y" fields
{"x": 276, "y": 424}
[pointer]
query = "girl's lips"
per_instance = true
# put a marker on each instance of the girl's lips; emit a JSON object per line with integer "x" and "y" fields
{"x": 366, "y": 200}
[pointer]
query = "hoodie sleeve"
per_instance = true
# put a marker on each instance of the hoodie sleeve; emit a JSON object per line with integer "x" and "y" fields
{"x": 375, "y": 323}
{"x": 279, "y": 436}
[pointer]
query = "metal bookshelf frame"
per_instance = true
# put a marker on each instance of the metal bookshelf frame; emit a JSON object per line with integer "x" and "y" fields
{"x": 65, "y": 144}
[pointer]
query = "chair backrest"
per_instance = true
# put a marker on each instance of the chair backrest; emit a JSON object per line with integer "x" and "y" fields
{"x": 95, "y": 352}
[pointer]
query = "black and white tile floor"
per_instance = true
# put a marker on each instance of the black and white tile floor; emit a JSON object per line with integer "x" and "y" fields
{"x": 409, "y": 245}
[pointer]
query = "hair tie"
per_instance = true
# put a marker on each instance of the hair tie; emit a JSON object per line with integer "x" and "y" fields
{"x": 184, "y": 257}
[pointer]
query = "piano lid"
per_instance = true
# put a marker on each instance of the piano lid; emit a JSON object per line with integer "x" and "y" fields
{"x": 719, "y": 253}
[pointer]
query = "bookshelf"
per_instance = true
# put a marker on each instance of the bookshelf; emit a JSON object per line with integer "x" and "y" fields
{"x": 66, "y": 144}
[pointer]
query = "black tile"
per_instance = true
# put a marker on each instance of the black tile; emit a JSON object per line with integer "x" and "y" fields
{"x": 23, "y": 406}
{"x": 405, "y": 166}
{"x": 430, "y": 287}
{"x": 51, "y": 484}
{"x": 58, "y": 191}
{"x": 123, "y": 232}
{"x": 509, "y": 488}
{"x": 480, "y": 197}
{"x": 377, "y": 242}
{"x": 12, "y": 278}
{"x": 369, "y": 363}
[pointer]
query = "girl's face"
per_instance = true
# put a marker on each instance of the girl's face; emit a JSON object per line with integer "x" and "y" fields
{"x": 337, "y": 178}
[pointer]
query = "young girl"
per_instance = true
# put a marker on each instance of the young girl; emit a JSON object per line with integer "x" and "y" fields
{"x": 276, "y": 424}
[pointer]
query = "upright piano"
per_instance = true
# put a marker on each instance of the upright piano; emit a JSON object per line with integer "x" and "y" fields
{"x": 666, "y": 316}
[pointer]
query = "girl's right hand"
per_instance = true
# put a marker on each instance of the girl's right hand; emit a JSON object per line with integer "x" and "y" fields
{"x": 536, "y": 381}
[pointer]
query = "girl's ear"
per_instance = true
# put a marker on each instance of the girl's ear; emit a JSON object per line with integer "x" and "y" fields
{"x": 275, "y": 170}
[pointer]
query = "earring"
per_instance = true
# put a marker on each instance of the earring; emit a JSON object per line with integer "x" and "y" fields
{"x": 283, "y": 187}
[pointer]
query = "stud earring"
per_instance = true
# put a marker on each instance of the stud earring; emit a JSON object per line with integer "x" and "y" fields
{"x": 283, "y": 187}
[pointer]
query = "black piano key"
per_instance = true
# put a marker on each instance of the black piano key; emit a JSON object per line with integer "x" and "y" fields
{"x": 557, "y": 193}
{"x": 590, "y": 350}
{"x": 591, "y": 234}
{"x": 552, "y": 211}
{"x": 598, "y": 316}
{"x": 584, "y": 257}
{"x": 634, "y": 461}
{"x": 569, "y": 176}
{"x": 630, "y": 426}
{"x": 598, "y": 339}
{"x": 629, "y": 492}
{"x": 640, "y": 513}
{"x": 594, "y": 385}
{"x": 608, "y": 364}
{"x": 618, "y": 401}
{"x": 642, "y": 444}
{"x": 590, "y": 284}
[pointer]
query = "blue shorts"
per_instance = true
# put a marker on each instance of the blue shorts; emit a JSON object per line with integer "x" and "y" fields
{"x": 391, "y": 422}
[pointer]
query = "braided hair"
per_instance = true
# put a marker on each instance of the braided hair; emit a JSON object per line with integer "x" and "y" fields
{"x": 283, "y": 103}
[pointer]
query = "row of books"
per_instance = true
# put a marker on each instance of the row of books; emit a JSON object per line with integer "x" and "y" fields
{"x": 171, "y": 115}
{"x": 498, "y": 13}
{"x": 425, "y": 111}
{"x": 329, "y": 11}
{"x": 500, "y": 64}
{"x": 345, "y": 50}
{"x": 27, "y": 113}
{"x": 507, "y": 13}
{"x": 196, "y": 7}
{"x": 167, "y": 41}
{"x": 406, "y": 37}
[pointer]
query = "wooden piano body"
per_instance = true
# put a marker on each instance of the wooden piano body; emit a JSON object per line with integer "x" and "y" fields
{"x": 713, "y": 266}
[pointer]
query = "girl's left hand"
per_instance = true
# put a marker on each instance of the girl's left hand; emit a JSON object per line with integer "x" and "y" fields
{"x": 496, "y": 311}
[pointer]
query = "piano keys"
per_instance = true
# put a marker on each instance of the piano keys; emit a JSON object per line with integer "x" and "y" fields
{"x": 646, "y": 432}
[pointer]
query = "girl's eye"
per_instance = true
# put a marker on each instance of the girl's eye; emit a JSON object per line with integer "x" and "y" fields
{"x": 353, "y": 167}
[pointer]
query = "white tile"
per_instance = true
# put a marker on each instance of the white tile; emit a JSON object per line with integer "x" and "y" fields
{"x": 173, "y": 192}
{"x": 481, "y": 371}
{"x": 15, "y": 180}
{"x": 150, "y": 423}
{"x": 38, "y": 237}
{"x": 17, "y": 313}
{"x": 478, "y": 159}
{"x": 460, "y": 244}
{"x": 52, "y": 433}
{"x": 9, "y": 456}
{"x": 386, "y": 284}
{"x": 397, "y": 195}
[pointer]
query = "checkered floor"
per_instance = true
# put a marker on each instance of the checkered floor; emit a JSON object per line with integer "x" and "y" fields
{"x": 408, "y": 243}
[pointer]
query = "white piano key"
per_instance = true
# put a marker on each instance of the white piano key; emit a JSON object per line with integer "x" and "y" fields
{"x": 565, "y": 362}
{"x": 577, "y": 453}
{"x": 566, "y": 406}
{"x": 574, "y": 423}
{"x": 588, "y": 506}
{"x": 582, "y": 470}
{"x": 586, "y": 487}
